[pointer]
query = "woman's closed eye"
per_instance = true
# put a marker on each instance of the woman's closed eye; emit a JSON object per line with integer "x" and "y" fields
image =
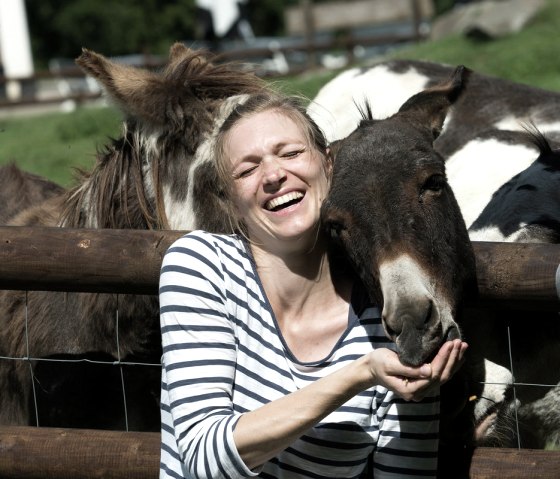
{"x": 248, "y": 166}
{"x": 292, "y": 153}
{"x": 245, "y": 171}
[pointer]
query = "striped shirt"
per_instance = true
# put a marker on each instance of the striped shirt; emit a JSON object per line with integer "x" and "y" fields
{"x": 224, "y": 355}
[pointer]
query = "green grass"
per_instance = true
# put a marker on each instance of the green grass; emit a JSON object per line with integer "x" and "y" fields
{"x": 530, "y": 56}
{"x": 51, "y": 145}
{"x": 306, "y": 85}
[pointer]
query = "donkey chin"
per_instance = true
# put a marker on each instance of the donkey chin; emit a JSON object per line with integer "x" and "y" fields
{"x": 419, "y": 345}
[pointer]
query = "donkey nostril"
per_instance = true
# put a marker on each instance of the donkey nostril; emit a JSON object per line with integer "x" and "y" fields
{"x": 452, "y": 333}
{"x": 390, "y": 331}
{"x": 429, "y": 312}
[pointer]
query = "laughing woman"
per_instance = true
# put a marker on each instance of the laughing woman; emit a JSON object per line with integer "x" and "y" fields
{"x": 275, "y": 364}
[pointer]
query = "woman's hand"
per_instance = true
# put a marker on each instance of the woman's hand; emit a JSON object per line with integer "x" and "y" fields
{"x": 414, "y": 383}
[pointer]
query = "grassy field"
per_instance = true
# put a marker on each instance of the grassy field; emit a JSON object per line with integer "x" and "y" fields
{"x": 51, "y": 145}
{"x": 530, "y": 56}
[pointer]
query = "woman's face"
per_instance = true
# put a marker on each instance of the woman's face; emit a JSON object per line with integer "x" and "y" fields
{"x": 279, "y": 181}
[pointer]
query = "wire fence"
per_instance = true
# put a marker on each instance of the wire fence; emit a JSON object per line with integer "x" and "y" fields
{"x": 119, "y": 363}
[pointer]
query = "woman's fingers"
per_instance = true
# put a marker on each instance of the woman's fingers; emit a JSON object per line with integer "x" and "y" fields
{"x": 414, "y": 383}
{"x": 446, "y": 363}
{"x": 459, "y": 359}
{"x": 441, "y": 359}
{"x": 448, "y": 359}
{"x": 454, "y": 361}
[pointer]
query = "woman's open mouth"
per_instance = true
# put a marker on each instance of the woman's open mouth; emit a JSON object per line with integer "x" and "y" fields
{"x": 281, "y": 202}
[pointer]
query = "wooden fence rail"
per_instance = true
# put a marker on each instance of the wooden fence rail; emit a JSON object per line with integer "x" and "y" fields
{"x": 82, "y": 260}
{"x": 313, "y": 29}
{"x": 519, "y": 275}
{"x": 55, "y": 453}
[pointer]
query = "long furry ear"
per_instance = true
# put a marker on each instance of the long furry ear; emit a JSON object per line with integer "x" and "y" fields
{"x": 432, "y": 105}
{"x": 180, "y": 94}
{"x": 127, "y": 86}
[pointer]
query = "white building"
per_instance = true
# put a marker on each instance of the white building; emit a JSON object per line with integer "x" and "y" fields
{"x": 16, "y": 59}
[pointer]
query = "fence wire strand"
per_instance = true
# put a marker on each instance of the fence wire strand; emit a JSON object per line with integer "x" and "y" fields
{"x": 30, "y": 360}
{"x": 27, "y": 358}
{"x": 514, "y": 388}
{"x": 120, "y": 366}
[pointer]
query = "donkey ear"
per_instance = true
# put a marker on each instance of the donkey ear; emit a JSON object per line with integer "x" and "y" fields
{"x": 177, "y": 51}
{"x": 432, "y": 105}
{"x": 126, "y": 85}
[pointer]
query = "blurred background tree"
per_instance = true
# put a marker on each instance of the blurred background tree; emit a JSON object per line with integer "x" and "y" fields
{"x": 267, "y": 16}
{"x": 59, "y": 28}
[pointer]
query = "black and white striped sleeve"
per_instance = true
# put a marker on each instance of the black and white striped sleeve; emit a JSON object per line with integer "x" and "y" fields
{"x": 199, "y": 356}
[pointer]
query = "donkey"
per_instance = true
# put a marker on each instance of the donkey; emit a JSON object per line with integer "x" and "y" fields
{"x": 393, "y": 214}
{"x": 506, "y": 187}
{"x": 480, "y": 140}
{"x": 525, "y": 209}
{"x": 20, "y": 190}
{"x": 399, "y": 223}
{"x": 158, "y": 174}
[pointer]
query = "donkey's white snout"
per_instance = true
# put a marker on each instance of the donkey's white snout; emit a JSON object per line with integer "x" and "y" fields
{"x": 414, "y": 317}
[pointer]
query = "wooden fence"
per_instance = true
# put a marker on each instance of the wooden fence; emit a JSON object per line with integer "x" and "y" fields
{"x": 54, "y": 453}
{"x": 343, "y": 17}
{"x": 124, "y": 261}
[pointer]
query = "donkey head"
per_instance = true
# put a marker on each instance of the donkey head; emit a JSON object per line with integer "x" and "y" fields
{"x": 160, "y": 173}
{"x": 393, "y": 213}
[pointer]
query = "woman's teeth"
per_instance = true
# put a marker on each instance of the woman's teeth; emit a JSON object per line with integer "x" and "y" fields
{"x": 281, "y": 201}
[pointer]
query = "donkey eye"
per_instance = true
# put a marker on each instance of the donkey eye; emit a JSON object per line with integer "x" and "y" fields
{"x": 434, "y": 183}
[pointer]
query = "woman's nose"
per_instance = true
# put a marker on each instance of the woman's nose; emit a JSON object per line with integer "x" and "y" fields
{"x": 273, "y": 172}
